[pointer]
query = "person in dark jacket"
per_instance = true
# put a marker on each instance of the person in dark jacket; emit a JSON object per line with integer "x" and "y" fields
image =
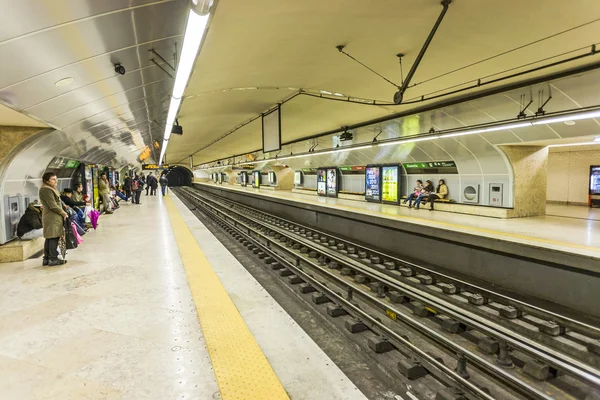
{"x": 139, "y": 186}
{"x": 163, "y": 183}
{"x": 427, "y": 190}
{"x": 153, "y": 185}
{"x": 148, "y": 182}
{"x": 53, "y": 218}
{"x": 127, "y": 187}
{"x": 30, "y": 224}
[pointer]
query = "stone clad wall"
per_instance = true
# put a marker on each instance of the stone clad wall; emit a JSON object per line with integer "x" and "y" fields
{"x": 569, "y": 173}
{"x": 11, "y": 136}
{"x": 530, "y": 168}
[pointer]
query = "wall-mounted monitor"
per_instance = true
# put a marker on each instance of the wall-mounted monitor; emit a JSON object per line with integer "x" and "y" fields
{"x": 373, "y": 183}
{"x": 390, "y": 184}
{"x": 256, "y": 182}
{"x": 271, "y": 130}
{"x": 297, "y": 178}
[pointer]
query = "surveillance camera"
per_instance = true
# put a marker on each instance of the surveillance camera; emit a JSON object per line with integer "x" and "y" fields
{"x": 119, "y": 69}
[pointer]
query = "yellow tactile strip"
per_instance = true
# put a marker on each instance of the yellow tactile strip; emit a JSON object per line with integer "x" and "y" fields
{"x": 241, "y": 368}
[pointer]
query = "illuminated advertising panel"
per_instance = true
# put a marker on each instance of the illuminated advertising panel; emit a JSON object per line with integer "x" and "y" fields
{"x": 322, "y": 182}
{"x": 332, "y": 182}
{"x": 220, "y": 177}
{"x": 256, "y": 182}
{"x": 244, "y": 178}
{"x": 389, "y": 184}
{"x": 373, "y": 183}
{"x": 595, "y": 180}
{"x": 298, "y": 178}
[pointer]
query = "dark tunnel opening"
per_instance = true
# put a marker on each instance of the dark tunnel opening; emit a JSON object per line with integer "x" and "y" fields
{"x": 179, "y": 176}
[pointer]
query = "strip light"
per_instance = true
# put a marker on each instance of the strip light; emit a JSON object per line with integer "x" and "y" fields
{"x": 194, "y": 32}
{"x": 572, "y": 116}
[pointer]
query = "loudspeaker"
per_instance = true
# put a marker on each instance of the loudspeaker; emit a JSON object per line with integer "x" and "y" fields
{"x": 177, "y": 129}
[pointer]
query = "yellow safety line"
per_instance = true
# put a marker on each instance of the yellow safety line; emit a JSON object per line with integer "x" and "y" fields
{"x": 241, "y": 368}
{"x": 416, "y": 220}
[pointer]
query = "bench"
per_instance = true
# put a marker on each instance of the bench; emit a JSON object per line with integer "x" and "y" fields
{"x": 436, "y": 200}
{"x": 20, "y": 250}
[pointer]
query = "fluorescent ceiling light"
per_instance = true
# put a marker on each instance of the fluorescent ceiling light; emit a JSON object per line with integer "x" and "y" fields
{"x": 570, "y": 117}
{"x": 597, "y": 139}
{"x": 574, "y": 144}
{"x": 194, "y": 32}
{"x": 408, "y": 141}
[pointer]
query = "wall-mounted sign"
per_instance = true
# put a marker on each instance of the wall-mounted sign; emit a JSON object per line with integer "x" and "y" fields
{"x": 390, "y": 184}
{"x": 332, "y": 182}
{"x": 153, "y": 166}
{"x": 433, "y": 167}
{"x": 72, "y": 164}
{"x": 373, "y": 183}
{"x": 353, "y": 170}
{"x": 309, "y": 171}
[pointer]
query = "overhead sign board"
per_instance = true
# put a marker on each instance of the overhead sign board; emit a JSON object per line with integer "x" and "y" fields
{"x": 433, "y": 167}
{"x": 153, "y": 166}
{"x": 72, "y": 164}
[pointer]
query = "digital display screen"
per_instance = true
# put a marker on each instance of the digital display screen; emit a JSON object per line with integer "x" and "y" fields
{"x": 244, "y": 178}
{"x": 389, "y": 184}
{"x": 332, "y": 182}
{"x": 298, "y": 178}
{"x": 373, "y": 183}
{"x": 322, "y": 182}
{"x": 595, "y": 179}
{"x": 256, "y": 183}
{"x": 220, "y": 177}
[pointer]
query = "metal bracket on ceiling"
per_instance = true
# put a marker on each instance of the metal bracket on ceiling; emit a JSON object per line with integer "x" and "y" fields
{"x": 523, "y": 106}
{"x": 540, "y": 110}
{"x": 379, "y": 133}
{"x": 399, "y": 95}
{"x": 152, "y": 60}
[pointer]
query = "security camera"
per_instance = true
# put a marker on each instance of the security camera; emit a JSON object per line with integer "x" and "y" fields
{"x": 119, "y": 69}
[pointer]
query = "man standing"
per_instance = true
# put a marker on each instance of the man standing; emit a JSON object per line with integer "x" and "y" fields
{"x": 163, "y": 183}
{"x": 127, "y": 187}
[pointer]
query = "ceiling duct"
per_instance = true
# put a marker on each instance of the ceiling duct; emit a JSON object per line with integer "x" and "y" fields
{"x": 201, "y": 7}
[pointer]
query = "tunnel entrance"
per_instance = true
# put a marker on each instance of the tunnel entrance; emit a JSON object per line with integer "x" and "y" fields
{"x": 179, "y": 176}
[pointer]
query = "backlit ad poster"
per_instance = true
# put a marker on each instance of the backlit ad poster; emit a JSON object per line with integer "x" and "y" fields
{"x": 595, "y": 180}
{"x": 322, "y": 182}
{"x": 332, "y": 182}
{"x": 389, "y": 184}
{"x": 373, "y": 183}
{"x": 256, "y": 182}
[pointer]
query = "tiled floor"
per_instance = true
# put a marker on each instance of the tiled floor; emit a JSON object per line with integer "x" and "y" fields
{"x": 118, "y": 321}
{"x": 581, "y": 236}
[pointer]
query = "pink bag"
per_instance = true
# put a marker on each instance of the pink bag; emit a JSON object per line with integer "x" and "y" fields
{"x": 77, "y": 236}
{"x": 94, "y": 215}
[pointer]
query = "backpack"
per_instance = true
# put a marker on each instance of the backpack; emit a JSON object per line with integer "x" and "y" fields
{"x": 134, "y": 185}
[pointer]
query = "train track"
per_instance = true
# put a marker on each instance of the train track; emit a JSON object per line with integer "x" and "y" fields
{"x": 438, "y": 323}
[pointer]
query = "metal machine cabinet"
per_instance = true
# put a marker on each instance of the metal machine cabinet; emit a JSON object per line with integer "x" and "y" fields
{"x": 12, "y": 213}
{"x": 495, "y": 194}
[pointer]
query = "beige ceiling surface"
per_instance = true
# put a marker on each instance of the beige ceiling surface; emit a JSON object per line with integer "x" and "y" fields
{"x": 9, "y": 117}
{"x": 291, "y": 44}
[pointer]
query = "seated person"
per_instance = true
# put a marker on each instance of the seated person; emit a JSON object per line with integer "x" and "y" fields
{"x": 415, "y": 193}
{"x": 427, "y": 189}
{"x": 67, "y": 199}
{"x": 440, "y": 193}
{"x": 30, "y": 224}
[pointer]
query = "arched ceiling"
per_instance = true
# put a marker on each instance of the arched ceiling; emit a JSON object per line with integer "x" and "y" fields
{"x": 257, "y": 53}
{"x": 100, "y": 111}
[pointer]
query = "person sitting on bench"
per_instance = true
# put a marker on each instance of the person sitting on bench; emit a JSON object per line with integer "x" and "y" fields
{"x": 30, "y": 224}
{"x": 416, "y": 191}
{"x": 424, "y": 193}
{"x": 440, "y": 193}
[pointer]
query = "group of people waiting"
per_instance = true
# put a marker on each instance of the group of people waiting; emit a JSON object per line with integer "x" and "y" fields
{"x": 133, "y": 187}
{"x": 423, "y": 193}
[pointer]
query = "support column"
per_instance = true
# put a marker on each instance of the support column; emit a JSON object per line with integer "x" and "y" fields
{"x": 530, "y": 170}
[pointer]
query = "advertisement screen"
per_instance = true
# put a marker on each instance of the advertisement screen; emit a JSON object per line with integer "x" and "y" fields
{"x": 322, "y": 182}
{"x": 389, "y": 185}
{"x": 243, "y": 178}
{"x": 220, "y": 177}
{"x": 271, "y": 177}
{"x": 595, "y": 179}
{"x": 298, "y": 178}
{"x": 256, "y": 183}
{"x": 373, "y": 183}
{"x": 332, "y": 182}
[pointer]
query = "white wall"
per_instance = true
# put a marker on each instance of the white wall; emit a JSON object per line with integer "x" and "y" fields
{"x": 568, "y": 173}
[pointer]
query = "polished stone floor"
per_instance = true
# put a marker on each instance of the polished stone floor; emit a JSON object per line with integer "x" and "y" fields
{"x": 118, "y": 321}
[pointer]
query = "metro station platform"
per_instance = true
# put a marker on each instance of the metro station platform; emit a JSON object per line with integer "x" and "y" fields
{"x": 574, "y": 230}
{"x": 152, "y": 306}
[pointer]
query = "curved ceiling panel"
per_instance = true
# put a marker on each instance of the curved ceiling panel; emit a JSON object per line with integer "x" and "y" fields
{"x": 108, "y": 118}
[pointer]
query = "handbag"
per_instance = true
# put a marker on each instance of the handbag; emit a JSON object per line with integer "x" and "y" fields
{"x": 77, "y": 236}
{"x": 94, "y": 215}
{"x": 70, "y": 239}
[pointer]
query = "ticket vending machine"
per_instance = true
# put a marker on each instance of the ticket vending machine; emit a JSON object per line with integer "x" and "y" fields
{"x": 495, "y": 195}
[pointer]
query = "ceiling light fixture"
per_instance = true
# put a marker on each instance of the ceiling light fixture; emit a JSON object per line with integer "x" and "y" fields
{"x": 64, "y": 82}
{"x": 194, "y": 32}
{"x": 574, "y": 144}
{"x": 597, "y": 139}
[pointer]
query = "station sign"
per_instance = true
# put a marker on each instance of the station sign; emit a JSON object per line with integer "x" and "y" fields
{"x": 433, "y": 167}
{"x": 72, "y": 164}
{"x": 153, "y": 166}
{"x": 353, "y": 170}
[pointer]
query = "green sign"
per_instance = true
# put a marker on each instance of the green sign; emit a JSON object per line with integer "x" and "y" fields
{"x": 440, "y": 167}
{"x": 72, "y": 164}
